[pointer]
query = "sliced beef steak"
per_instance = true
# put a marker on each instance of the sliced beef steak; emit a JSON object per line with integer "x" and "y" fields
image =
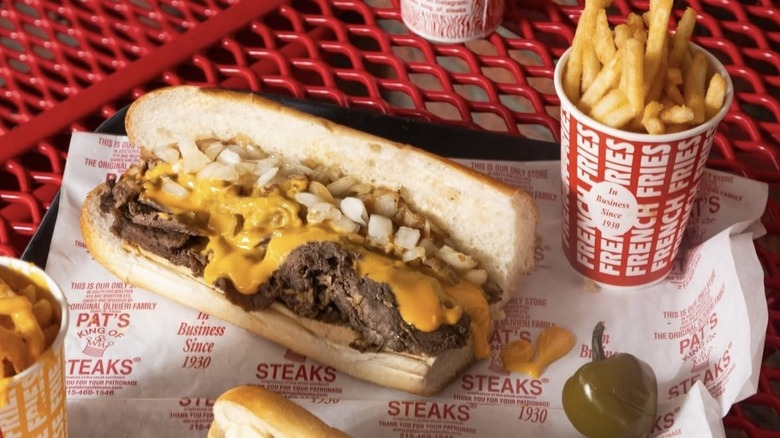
{"x": 151, "y": 229}
{"x": 319, "y": 280}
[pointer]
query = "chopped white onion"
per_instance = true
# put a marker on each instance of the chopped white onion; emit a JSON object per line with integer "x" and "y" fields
{"x": 266, "y": 176}
{"x": 456, "y": 259}
{"x": 360, "y": 189}
{"x": 322, "y": 211}
{"x": 173, "y": 188}
{"x": 380, "y": 227}
{"x": 476, "y": 276}
{"x": 212, "y": 149}
{"x": 406, "y": 237}
{"x": 429, "y": 246}
{"x": 246, "y": 167}
{"x": 168, "y": 154}
{"x": 239, "y": 150}
{"x": 219, "y": 171}
{"x": 322, "y": 174}
{"x": 386, "y": 204}
{"x": 322, "y": 200}
{"x": 341, "y": 185}
{"x": 320, "y": 190}
{"x": 266, "y": 164}
{"x": 354, "y": 209}
{"x": 344, "y": 225}
{"x": 192, "y": 158}
{"x": 307, "y": 199}
{"x": 410, "y": 218}
{"x": 418, "y": 252}
{"x": 254, "y": 152}
{"x": 297, "y": 168}
{"x": 229, "y": 157}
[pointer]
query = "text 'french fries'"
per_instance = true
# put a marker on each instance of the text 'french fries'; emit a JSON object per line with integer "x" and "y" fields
{"x": 641, "y": 76}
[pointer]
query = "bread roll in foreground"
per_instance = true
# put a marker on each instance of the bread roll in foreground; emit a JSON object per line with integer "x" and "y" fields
{"x": 381, "y": 260}
{"x": 252, "y": 411}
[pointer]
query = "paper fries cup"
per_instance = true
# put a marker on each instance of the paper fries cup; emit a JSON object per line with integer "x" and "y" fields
{"x": 626, "y": 197}
{"x": 35, "y": 399}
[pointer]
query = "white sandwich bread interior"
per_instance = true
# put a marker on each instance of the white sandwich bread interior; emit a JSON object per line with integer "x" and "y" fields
{"x": 493, "y": 223}
{"x": 251, "y": 411}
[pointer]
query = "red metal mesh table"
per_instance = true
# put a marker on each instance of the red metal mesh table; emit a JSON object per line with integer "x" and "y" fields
{"x": 68, "y": 65}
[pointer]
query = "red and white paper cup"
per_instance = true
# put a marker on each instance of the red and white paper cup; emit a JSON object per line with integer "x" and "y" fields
{"x": 452, "y": 21}
{"x": 626, "y": 197}
{"x": 33, "y": 402}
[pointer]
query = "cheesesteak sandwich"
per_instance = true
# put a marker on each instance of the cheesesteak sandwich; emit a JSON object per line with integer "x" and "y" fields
{"x": 381, "y": 260}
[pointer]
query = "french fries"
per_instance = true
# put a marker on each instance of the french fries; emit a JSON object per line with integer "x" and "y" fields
{"x": 607, "y": 77}
{"x": 694, "y": 86}
{"x": 27, "y": 327}
{"x": 574, "y": 70}
{"x": 633, "y": 72}
{"x": 716, "y": 94}
{"x": 651, "y": 120}
{"x": 605, "y": 42}
{"x": 660, "y": 11}
{"x": 681, "y": 37}
{"x": 590, "y": 66}
{"x": 641, "y": 76}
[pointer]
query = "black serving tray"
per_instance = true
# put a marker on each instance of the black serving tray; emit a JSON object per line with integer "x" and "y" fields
{"x": 444, "y": 140}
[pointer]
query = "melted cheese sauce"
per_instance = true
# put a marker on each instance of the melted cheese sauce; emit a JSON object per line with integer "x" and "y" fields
{"x": 236, "y": 225}
{"x": 20, "y": 310}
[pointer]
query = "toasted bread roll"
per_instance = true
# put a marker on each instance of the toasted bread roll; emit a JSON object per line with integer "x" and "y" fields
{"x": 252, "y": 411}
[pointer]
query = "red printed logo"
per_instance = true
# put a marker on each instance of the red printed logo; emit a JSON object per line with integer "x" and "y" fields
{"x": 503, "y": 385}
{"x": 713, "y": 377}
{"x": 99, "y": 330}
{"x": 429, "y": 410}
{"x": 101, "y": 367}
{"x": 665, "y": 421}
{"x": 96, "y": 345}
{"x": 626, "y": 203}
{"x": 295, "y": 372}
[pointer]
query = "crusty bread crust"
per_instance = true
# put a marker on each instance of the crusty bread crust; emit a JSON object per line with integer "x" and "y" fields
{"x": 327, "y": 344}
{"x": 492, "y": 222}
{"x": 262, "y": 410}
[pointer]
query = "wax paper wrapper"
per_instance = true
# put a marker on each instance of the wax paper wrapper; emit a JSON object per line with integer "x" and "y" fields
{"x": 139, "y": 365}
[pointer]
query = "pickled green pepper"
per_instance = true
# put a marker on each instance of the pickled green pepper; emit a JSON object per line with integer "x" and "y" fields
{"x": 614, "y": 396}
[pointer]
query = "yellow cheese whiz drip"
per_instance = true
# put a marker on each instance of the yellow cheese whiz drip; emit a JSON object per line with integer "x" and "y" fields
{"x": 250, "y": 236}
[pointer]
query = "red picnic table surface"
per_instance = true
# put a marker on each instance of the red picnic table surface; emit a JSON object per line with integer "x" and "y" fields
{"x": 68, "y": 65}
